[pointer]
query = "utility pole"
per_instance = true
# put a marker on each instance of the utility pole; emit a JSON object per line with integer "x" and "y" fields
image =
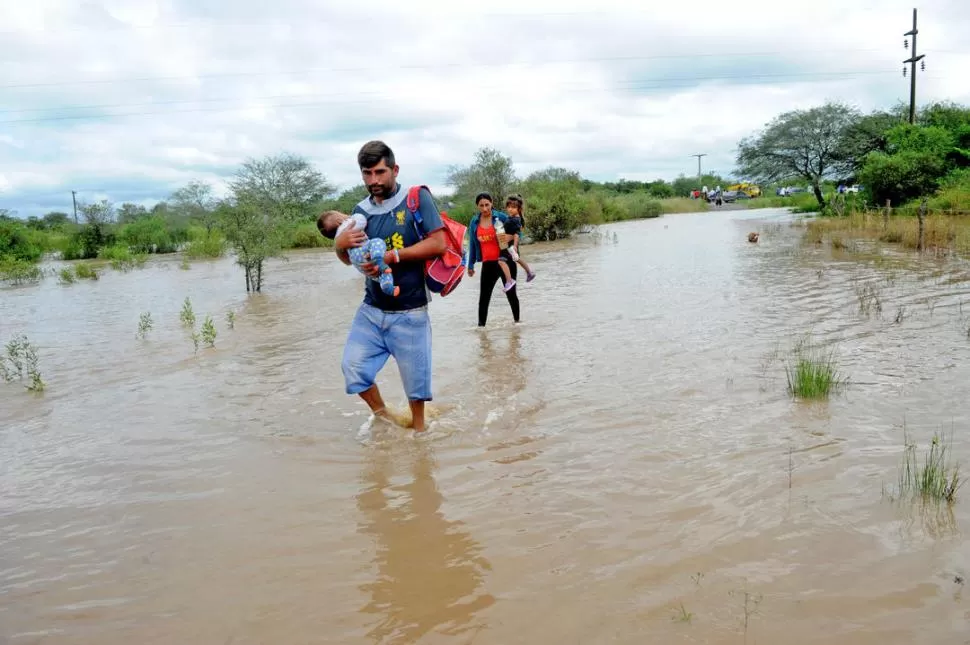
{"x": 74, "y": 199}
{"x": 699, "y": 163}
{"x": 912, "y": 60}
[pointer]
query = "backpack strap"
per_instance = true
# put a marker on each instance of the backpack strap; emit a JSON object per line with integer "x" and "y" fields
{"x": 412, "y": 203}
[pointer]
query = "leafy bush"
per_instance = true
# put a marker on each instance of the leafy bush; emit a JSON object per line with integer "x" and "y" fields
{"x": 148, "y": 235}
{"x": 903, "y": 176}
{"x": 202, "y": 244}
{"x": 17, "y": 242}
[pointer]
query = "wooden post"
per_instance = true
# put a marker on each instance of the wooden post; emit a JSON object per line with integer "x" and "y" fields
{"x": 885, "y": 216}
{"x": 921, "y": 214}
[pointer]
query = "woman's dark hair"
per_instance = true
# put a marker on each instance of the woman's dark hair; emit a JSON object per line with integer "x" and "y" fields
{"x": 372, "y": 152}
{"x": 480, "y": 196}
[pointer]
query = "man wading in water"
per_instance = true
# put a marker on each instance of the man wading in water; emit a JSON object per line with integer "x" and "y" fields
{"x": 387, "y": 325}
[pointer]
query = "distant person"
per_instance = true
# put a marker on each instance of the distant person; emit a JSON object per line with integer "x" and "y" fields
{"x": 387, "y": 325}
{"x": 484, "y": 247}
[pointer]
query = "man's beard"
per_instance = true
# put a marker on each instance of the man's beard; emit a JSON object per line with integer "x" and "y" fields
{"x": 380, "y": 190}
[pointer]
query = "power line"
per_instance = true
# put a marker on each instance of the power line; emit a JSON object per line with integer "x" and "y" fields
{"x": 433, "y": 66}
{"x": 264, "y": 24}
{"x": 684, "y": 79}
{"x": 668, "y": 83}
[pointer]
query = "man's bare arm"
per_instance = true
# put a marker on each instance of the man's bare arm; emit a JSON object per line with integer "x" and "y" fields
{"x": 430, "y": 247}
{"x": 350, "y": 238}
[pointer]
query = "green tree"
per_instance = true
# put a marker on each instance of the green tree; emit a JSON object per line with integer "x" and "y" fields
{"x": 901, "y": 176}
{"x": 269, "y": 197}
{"x": 810, "y": 143}
{"x": 285, "y": 186}
{"x": 196, "y": 201}
{"x": 96, "y": 231}
{"x": 254, "y": 235}
{"x": 148, "y": 234}
{"x": 915, "y": 160}
{"x": 869, "y": 134}
{"x": 55, "y": 220}
{"x": 555, "y": 204}
{"x": 129, "y": 212}
{"x": 491, "y": 172}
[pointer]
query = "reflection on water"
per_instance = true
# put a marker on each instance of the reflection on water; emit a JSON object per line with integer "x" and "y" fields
{"x": 429, "y": 569}
{"x": 627, "y": 450}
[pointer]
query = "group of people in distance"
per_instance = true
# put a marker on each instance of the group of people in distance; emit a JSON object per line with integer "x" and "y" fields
{"x": 380, "y": 239}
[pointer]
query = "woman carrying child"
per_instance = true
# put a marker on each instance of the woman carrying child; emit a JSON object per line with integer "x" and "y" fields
{"x": 488, "y": 243}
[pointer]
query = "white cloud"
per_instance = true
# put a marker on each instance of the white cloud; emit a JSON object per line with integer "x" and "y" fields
{"x": 194, "y": 87}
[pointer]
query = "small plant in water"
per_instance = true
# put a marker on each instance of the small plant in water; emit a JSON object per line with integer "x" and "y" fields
{"x": 85, "y": 271}
{"x": 209, "y": 332}
{"x": 21, "y": 361}
{"x": 900, "y": 314}
{"x": 935, "y": 479}
{"x": 682, "y": 616}
{"x": 195, "y": 341}
{"x": 869, "y": 299}
{"x": 144, "y": 324}
{"x": 231, "y": 319}
{"x": 751, "y": 602}
{"x": 812, "y": 372}
{"x": 66, "y": 276}
{"x": 187, "y": 316}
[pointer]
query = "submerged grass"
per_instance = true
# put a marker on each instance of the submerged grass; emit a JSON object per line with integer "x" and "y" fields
{"x": 936, "y": 478}
{"x": 812, "y": 372}
{"x": 944, "y": 234}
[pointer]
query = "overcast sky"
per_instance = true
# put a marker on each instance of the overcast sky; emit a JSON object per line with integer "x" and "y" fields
{"x": 130, "y": 99}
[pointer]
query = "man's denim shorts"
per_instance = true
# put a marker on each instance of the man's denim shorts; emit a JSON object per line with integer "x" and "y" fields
{"x": 376, "y": 335}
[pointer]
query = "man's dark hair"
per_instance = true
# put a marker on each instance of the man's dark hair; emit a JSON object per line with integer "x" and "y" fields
{"x": 372, "y": 152}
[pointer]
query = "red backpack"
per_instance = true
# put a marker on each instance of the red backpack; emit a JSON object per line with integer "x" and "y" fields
{"x": 443, "y": 273}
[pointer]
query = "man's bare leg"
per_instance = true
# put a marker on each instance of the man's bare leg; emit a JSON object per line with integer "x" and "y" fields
{"x": 417, "y": 415}
{"x": 372, "y": 397}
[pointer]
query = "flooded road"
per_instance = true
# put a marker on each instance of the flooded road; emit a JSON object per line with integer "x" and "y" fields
{"x": 625, "y": 466}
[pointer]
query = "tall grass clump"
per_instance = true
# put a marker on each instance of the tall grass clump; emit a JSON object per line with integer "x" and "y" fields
{"x": 66, "y": 275}
{"x": 80, "y": 271}
{"x": 671, "y": 205}
{"x": 19, "y": 272}
{"x": 935, "y": 478}
{"x": 812, "y": 372}
{"x": 85, "y": 271}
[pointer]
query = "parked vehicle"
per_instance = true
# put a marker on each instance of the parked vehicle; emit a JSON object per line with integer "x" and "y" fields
{"x": 750, "y": 190}
{"x": 734, "y": 195}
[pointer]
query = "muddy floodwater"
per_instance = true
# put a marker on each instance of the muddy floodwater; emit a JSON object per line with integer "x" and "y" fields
{"x": 624, "y": 466}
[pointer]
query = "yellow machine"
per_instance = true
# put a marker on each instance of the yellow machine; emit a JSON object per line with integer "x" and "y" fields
{"x": 751, "y": 190}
